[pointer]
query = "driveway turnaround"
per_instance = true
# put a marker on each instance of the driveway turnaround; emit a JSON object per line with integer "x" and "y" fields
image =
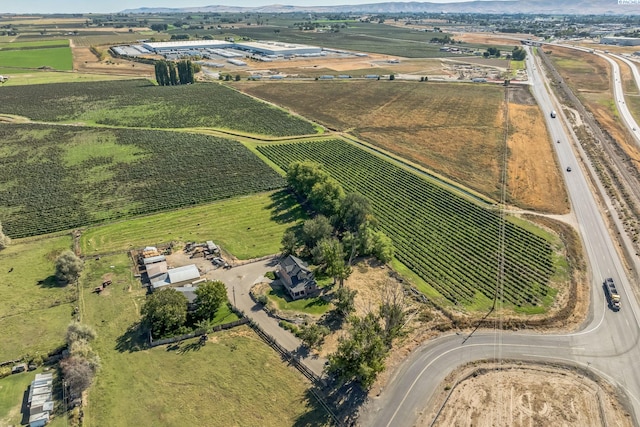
{"x": 238, "y": 281}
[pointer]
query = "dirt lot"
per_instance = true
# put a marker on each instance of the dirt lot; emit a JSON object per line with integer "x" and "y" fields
{"x": 525, "y": 395}
{"x": 85, "y": 61}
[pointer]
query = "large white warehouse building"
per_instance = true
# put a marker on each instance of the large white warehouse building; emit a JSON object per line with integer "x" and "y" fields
{"x": 266, "y": 48}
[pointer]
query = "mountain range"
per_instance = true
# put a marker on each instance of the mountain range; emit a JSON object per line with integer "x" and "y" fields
{"x": 544, "y": 7}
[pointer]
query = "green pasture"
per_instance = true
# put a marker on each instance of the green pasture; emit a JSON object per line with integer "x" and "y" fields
{"x": 235, "y": 379}
{"x": 247, "y": 227}
{"x": 25, "y": 60}
{"x": 34, "y": 44}
{"x": 34, "y": 310}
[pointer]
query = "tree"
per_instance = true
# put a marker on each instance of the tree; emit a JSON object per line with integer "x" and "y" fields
{"x": 333, "y": 257}
{"x": 316, "y": 229}
{"x": 383, "y": 248}
{"x": 159, "y": 27}
{"x": 354, "y": 211}
{"x": 361, "y": 355}
{"x": 326, "y": 196}
{"x": 4, "y": 239}
{"x": 289, "y": 243}
{"x": 209, "y": 298}
{"x": 164, "y": 312}
{"x": 392, "y": 310}
{"x": 173, "y": 74}
{"x": 68, "y": 267}
{"x": 345, "y": 301}
{"x": 162, "y": 73}
{"x": 313, "y": 335}
{"x": 518, "y": 54}
{"x": 77, "y": 374}
{"x": 77, "y": 331}
{"x": 302, "y": 175}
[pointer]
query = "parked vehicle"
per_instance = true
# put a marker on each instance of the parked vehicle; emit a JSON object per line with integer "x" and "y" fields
{"x": 553, "y": 114}
{"x": 568, "y": 168}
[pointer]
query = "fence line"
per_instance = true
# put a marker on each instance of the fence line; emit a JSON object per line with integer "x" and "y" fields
{"x": 295, "y": 361}
{"x": 197, "y": 333}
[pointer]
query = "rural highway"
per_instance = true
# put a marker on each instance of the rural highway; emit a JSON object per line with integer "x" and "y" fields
{"x": 606, "y": 344}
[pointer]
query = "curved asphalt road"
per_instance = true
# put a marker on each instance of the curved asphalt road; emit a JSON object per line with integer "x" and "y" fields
{"x": 607, "y": 344}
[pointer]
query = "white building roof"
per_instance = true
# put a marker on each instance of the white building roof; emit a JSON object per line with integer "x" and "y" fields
{"x": 154, "y": 259}
{"x": 183, "y": 274}
{"x": 187, "y": 44}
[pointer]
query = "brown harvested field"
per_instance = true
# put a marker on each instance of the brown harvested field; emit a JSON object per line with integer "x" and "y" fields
{"x": 533, "y": 175}
{"x": 454, "y": 129}
{"x": 526, "y": 395}
{"x": 491, "y": 39}
{"x": 589, "y": 77}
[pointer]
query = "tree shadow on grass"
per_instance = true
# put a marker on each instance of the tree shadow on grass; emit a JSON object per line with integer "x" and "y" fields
{"x": 194, "y": 345}
{"x": 134, "y": 339}
{"x": 51, "y": 282}
{"x": 284, "y": 207}
{"x": 332, "y": 320}
{"x": 343, "y": 400}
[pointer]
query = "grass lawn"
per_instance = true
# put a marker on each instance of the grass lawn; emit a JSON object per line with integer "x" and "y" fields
{"x": 314, "y": 306}
{"x": 58, "y": 58}
{"x": 235, "y": 379}
{"x": 34, "y": 44}
{"x": 36, "y": 323}
{"x": 246, "y": 227}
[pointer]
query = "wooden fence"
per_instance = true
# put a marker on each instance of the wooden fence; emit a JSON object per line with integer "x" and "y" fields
{"x": 196, "y": 333}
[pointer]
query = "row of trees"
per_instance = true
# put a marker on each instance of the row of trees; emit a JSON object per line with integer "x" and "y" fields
{"x": 80, "y": 362}
{"x": 169, "y": 73}
{"x": 343, "y": 229}
{"x": 165, "y": 312}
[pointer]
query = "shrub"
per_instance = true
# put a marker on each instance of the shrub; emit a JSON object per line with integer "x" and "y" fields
{"x": 270, "y": 275}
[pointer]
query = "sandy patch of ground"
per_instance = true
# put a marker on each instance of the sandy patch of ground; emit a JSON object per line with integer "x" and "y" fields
{"x": 534, "y": 180}
{"x": 524, "y": 395}
{"x": 85, "y": 61}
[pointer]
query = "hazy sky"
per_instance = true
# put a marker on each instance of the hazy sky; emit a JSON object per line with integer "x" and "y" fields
{"x": 105, "y": 6}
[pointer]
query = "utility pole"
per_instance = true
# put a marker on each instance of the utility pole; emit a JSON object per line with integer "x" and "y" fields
{"x": 234, "y": 296}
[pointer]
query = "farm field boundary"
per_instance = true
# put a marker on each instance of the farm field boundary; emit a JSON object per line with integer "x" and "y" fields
{"x": 448, "y": 241}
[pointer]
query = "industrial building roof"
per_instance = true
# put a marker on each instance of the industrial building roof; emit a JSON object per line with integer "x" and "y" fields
{"x": 183, "y": 274}
{"x": 155, "y": 270}
{"x": 154, "y": 259}
{"x": 187, "y": 44}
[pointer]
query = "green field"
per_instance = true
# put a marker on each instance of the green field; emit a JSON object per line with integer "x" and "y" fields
{"x": 25, "y": 60}
{"x": 33, "y": 316}
{"x": 40, "y": 44}
{"x": 60, "y": 177}
{"x": 315, "y": 306}
{"x": 235, "y": 379}
{"x": 41, "y": 77}
{"x": 140, "y": 104}
{"x": 448, "y": 241}
{"x": 247, "y": 227}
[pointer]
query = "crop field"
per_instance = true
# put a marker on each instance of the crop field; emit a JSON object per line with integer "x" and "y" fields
{"x": 233, "y": 380}
{"x": 138, "y": 103}
{"x": 453, "y": 129}
{"x": 448, "y": 241}
{"x": 24, "y": 60}
{"x": 60, "y": 177}
{"x": 363, "y": 37}
{"x": 36, "y": 323}
{"x": 247, "y": 226}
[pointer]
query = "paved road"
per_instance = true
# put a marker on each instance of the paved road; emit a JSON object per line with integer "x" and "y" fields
{"x": 607, "y": 343}
{"x": 239, "y": 281}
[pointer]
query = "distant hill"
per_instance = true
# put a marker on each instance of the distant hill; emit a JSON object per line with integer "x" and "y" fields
{"x": 554, "y": 7}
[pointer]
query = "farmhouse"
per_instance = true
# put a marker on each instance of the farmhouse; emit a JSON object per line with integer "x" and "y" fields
{"x": 296, "y": 277}
{"x": 40, "y": 400}
{"x": 177, "y": 276}
{"x": 190, "y": 293}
